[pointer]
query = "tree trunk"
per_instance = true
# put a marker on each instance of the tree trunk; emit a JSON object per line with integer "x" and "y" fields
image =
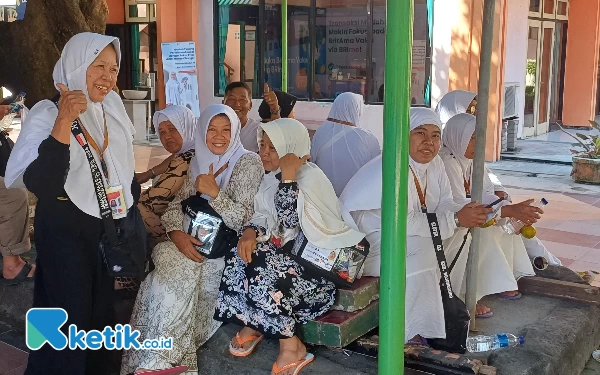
{"x": 30, "y": 48}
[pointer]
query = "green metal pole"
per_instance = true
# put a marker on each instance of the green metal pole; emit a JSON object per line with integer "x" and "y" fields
{"x": 398, "y": 64}
{"x": 284, "y": 46}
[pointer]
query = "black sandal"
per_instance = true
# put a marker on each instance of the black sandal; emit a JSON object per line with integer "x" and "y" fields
{"x": 21, "y": 276}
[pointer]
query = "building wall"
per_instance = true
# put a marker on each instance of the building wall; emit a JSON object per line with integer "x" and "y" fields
{"x": 445, "y": 17}
{"x": 116, "y": 12}
{"x": 516, "y": 51}
{"x": 581, "y": 66}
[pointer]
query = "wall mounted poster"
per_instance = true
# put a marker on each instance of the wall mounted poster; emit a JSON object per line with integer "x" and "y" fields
{"x": 181, "y": 76}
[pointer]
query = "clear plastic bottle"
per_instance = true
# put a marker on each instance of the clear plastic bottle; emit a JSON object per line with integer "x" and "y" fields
{"x": 513, "y": 226}
{"x": 476, "y": 344}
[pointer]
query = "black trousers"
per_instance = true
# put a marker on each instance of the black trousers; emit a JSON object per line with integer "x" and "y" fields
{"x": 71, "y": 275}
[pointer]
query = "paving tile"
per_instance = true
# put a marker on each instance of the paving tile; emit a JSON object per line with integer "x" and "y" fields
{"x": 11, "y": 358}
{"x": 14, "y": 338}
{"x": 567, "y": 251}
{"x": 583, "y": 228}
{"x": 592, "y": 256}
{"x": 569, "y": 238}
{"x": 17, "y": 371}
{"x": 586, "y": 198}
{"x": 584, "y": 266}
{"x": 565, "y": 262}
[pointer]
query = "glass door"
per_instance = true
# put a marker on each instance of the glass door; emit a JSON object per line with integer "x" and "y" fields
{"x": 533, "y": 37}
{"x": 546, "y": 50}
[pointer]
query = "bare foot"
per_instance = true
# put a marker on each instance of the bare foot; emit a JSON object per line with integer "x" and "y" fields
{"x": 510, "y": 293}
{"x": 245, "y": 332}
{"x": 482, "y": 309}
{"x": 10, "y": 270}
{"x": 291, "y": 350}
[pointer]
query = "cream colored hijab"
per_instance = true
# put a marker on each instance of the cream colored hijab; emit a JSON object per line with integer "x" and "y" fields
{"x": 318, "y": 206}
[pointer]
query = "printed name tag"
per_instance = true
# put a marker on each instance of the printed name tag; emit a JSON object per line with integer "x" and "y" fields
{"x": 116, "y": 201}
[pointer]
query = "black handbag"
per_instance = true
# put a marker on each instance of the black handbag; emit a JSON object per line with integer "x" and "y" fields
{"x": 202, "y": 222}
{"x": 340, "y": 266}
{"x": 123, "y": 244}
{"x": 6, "y": 146}
{"x": 456, "y": 314}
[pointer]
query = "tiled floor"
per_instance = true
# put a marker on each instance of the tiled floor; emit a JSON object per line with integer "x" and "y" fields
{"x": 560, "y": 136}
{"x": 12, "y": 360}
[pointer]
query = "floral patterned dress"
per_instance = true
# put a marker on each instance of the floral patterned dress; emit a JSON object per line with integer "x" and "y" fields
{"x": 273, "y": 294}
{"x": 177, "y": 299}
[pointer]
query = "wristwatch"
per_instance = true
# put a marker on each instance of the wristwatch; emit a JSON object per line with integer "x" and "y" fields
{"x": 288, "y": 181}
{"x": 276, "y": 112}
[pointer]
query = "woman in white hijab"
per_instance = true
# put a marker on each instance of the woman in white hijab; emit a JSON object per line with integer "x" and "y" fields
{"x": 263, "y": 287}
{"x": 339, "y": 147}
{"x": 176, "y": 127}
{"x": 455, "y": 102}
{"x": 177, "y": 298}
{"x": 504, "y": 259}
{"x": 52, "y": 164}
{"x": 459, "y": 101}
{"x": 362, "y": 198}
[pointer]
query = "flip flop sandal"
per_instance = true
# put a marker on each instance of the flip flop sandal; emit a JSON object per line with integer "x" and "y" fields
{"x": 241, "y": 341}
{"x": 511, "y": 298}
{"x": 421, "y": 342}
{"x": 587, "y": 276}
{"x": 177, "y": 370}
{"x": 488, "y": 314}
{"x": 21, "y": 276}
{"x": 298, "y": 365}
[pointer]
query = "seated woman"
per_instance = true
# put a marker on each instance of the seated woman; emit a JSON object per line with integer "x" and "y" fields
{"x": 175, "y": 125}
{"x": 504, "y": 259}
{"x": 276, "y": 104}
{"x": 177, "y": 298}
{"x": 339, "y": 147}
{"x": 428, "y": 191}
{"x": 459, "y": 101}
{"x": 263, "y": 288}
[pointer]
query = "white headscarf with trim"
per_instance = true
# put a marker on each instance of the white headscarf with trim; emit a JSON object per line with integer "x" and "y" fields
{"x": 453, "y": 103}
{"x": 204, "y": 158}
{"x": 184, "y": 121}
{"x": 318, "y": 206}
{"x": 77, "y": 55}
{"x": 457, "y": 135}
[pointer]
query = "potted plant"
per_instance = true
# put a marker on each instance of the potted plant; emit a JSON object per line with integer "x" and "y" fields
{"x": 586, "y": 156}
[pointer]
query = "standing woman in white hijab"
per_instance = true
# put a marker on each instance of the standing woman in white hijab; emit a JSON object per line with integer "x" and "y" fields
{"x": 177, "y": 299}
{"x": 52, "y": 164}
{"x": 503, "y": 259}
{"x": 176, "y": 127}
{"x": 263, "y": 288}
{"x": 428, "y": 191}
{"x": 339, "y": 147}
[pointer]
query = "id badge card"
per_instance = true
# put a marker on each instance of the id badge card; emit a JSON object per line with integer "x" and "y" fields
{"x": 116, "y": 201}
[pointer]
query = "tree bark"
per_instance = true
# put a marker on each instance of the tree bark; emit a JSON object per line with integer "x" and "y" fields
{"x": 30, "y": 48}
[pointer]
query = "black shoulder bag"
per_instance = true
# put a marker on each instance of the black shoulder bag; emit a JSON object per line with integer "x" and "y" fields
{"x": 456, "y": 315}
{"x": 123, "y": 244}
{"x": 202, "y": 222}
{"x": 6, "y": 146}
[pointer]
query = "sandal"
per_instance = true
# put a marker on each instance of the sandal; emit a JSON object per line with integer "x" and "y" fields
{"x": 511, "y": 298}
{"x": 587, "y": 276}
{"x": 298, "y": 365}
{"x": 241, "y": 352}
{"x": 421, "y": 342}
{"x": 21, "y": 276}
{"x": 177, "y": 370}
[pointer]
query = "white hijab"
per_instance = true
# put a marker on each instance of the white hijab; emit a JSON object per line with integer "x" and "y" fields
{"x": 341, "y": 150}
{"x": 205, "y": 158}
{"x": 77, "y": 55}
{"x": 453, "y": 103}
{"x": 364, "y": 191}
{"x": 184, "y": 121}
{"x": 318, "y": 206}
{"x": 457, "y": 135}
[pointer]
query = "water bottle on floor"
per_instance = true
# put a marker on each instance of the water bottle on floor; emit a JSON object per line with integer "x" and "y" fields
{"x": 476, "y": 344}
{"x": 513, "y": 226}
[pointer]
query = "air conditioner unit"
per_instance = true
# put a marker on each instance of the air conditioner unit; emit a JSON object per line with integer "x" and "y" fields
{"x": 511, "y": 100}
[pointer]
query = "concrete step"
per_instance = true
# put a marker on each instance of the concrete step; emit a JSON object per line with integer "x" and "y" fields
{"x": 339, "y": 328}
{"x": 364, "y": 291}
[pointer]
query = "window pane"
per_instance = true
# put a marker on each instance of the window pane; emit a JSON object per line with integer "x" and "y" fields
{"x": 561, "y": 9}
{"x": 531, "y": 76}
{"x": 298, "y": 46}
{"x": 548, "y": 6}
{"x": 534, "y": 5}
{"x": 421, "y": 57}
{"x": 341, "y": 57}
{"x": 237, "y": 46}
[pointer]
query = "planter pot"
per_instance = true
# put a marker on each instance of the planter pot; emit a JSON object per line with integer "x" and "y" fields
{"x": 586, "y": 170}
